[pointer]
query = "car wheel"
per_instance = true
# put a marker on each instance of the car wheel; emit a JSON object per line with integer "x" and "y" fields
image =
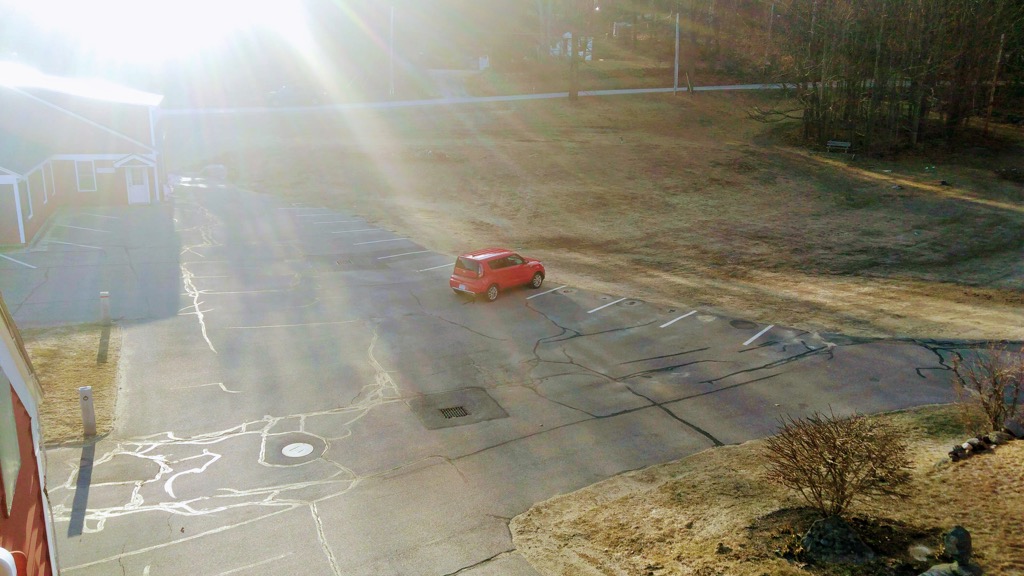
{"x": 492, "y": 293}
{"x": 538, "y": 279}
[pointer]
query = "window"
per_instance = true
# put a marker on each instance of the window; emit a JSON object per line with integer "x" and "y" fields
{"x": 85, "y": 170}
{"x": 10, "y": 451}
{"x": 515, "y": 260}
{"x": 467, "y": 264}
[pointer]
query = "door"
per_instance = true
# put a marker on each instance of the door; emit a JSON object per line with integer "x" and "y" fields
{"x": 138, "y": 184}
{"x": 519, "y": 272}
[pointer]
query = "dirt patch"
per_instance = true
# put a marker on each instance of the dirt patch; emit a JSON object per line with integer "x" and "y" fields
{"x": 66, "y": 358}
{"x": 712, "y": 513}
{"x": 676, "y": 200}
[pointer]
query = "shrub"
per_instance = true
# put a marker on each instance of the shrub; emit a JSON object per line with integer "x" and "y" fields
{"x": 832, "y": 461}
{"x": 991, "y": 379}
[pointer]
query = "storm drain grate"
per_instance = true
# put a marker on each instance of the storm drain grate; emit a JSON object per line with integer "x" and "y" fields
{"x": 454, "y": 412}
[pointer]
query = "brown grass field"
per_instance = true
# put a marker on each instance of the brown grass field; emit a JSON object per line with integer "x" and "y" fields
{"x": 675, "y": 199}
{"x": 66, "y": 358}
{"x": 713, "y": 514}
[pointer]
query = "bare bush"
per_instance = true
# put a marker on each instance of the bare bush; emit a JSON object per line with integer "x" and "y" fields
{"x": 991, "y": 379}
{"x": 834, "y": 461}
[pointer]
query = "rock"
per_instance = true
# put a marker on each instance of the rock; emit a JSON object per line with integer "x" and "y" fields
{"x": 997, "y": 438}
{"x": 832, "y": 540}
{"x": 958, "y": 544}
{"x": 1015, "y": 427}
{"x": 920, "y": 552}
{"x": 954, "y": 569}
{"x": 976, "y": 445}
{"x": 957, "y": 453}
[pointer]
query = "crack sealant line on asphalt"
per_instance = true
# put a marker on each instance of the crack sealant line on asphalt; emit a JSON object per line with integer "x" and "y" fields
{"x": 322, "y": 538}
{"x": 676, "y": 417}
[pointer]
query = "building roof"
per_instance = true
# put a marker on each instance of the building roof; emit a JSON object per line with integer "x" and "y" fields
{"x": 45, "y": 115}
{"x": 33, "y": 128}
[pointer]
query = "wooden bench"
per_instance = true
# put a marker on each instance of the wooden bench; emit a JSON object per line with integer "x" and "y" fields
{"x": 839, "y": 144}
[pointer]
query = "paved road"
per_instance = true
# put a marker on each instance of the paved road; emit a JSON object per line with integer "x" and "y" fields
{"x": 286, "y": 368}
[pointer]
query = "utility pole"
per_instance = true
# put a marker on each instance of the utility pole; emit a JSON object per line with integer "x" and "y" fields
{"x": 391, "y": 54}
{"x": 675, "y": 72}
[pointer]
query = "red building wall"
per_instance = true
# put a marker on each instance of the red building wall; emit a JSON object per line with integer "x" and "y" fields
{"x": 111, "y": 188}
{"x": 42, "y": 206}
{"x": 24, "y": 530}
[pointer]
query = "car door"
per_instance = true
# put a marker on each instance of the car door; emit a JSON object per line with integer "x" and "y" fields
{"x": 518, "y": 271}
{"x": 499, "y": 271}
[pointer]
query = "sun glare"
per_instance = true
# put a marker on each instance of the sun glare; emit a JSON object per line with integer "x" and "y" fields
{"x": 154, "y": 31}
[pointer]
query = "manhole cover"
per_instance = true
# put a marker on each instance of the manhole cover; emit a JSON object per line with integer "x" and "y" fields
{"x": 631, "y": 303}
{"x": 292, "y": 449}
{"x": 743, "y": 324}
{"x": 297, "y": 450}
{"x": 567, "y": 291}
{"x": 604, "y": 297}
{"x": 455, "y": 412}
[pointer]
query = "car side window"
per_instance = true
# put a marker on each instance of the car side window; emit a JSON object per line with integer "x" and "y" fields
{"x": 514, "y": 260}
{"x": 499, "y": 263}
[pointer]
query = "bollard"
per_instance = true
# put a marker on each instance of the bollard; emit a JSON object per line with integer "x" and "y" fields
{"x": 105, "y": 307}
{"x": 88, "y": 412}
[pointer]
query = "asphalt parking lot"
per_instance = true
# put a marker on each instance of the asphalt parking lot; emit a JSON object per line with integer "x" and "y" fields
{"x": 302, "y": 392}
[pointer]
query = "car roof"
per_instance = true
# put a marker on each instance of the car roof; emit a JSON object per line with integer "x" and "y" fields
{"x": 486, "y": 254}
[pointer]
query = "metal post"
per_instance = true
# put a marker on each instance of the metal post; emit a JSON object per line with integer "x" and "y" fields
{"x": 88, "y": 411}
{"x": 105, "y": 307}
{"x": 675, "y": 74}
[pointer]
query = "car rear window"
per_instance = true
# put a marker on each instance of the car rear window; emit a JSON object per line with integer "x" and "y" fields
{"x": 467, "y": 264}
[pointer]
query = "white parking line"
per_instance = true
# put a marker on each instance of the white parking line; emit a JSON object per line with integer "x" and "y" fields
{"x": 605, "y": 306}
{"x": 436, "y": 267}
{"x": 759, "y": 334}
{"x": 403, "y": 254}
{"x": 100, "y": 215}
{"x": 377, "y": 241}
{"x": 73, "y": 244}
{"x": 84, "y": 228}
{"x": 17, "y": 261}
{"x": 362, "y": 230}
{"x": 674, "y": 320}
{"x": 289, "y": 325}
{"x": 543, "y": 293}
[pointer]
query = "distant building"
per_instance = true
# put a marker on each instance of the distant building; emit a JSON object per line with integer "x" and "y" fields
{"x": 26, "y": 526}
{"x": 66, "y": 141}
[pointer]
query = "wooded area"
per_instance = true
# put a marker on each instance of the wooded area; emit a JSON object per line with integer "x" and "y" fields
{"x": 881, "y": 74}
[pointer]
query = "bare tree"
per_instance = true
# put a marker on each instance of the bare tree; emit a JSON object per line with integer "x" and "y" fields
{"x": 993, "y": 380}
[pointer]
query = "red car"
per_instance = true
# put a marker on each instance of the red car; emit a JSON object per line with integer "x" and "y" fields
{"x": 492, "y": 270}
